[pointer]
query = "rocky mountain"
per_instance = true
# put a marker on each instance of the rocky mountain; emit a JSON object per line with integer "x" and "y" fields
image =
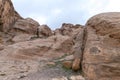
{"x": 30, "y": 51}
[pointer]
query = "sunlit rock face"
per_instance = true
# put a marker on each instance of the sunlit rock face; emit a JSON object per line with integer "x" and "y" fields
{"x": 27, "y": 47}
{"x": 12, "y": 24}
{"x": 101, "y": 59}
{"x": 8, "y": 15}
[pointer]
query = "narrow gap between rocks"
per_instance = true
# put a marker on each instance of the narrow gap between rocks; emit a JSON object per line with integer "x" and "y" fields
{"x": 83, "y": 47}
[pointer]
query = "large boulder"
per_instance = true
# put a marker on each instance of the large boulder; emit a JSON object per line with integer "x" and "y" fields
{"x": 27, "y": 25}
{"x": 24, "y": 29}
{"x": 12, "y": 24}
{"x": 101, "y": 59}
{"x": 44, "y": 31}
{"x": 68, "y": 29}
{"x": 8, "y": 15}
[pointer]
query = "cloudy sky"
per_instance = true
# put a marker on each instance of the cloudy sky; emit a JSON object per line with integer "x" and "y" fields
{"x": 55, "y": 12}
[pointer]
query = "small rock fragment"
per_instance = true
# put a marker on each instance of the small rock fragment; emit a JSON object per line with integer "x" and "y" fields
{"x": 67, "y": 64}
{"x": 76, "y": 64}
{"x": 51, "y": 64}
{"x": 76, "y": 78}
{"x": 63, "y": 78}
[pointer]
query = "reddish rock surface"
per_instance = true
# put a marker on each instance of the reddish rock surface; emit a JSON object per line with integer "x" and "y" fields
{"x": 52, "y": 47}
{"x": 101, "y": 60}
{"x": 12, "y": 24}
{"x": 44, "y": 31}
{"x": 8, "y": 15}
{"x": 27, "y": 48}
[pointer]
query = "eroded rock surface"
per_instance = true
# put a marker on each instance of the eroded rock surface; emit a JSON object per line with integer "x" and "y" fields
{"x": 53, "y": 47}
{"x": 12, "y": 24}
{"x": 44, "y": 31}
{"x": 101, "y": 59}
{"x": 30, "y": 51}
{"x": 8, "y": 15}
{"x": 28, "y": 26}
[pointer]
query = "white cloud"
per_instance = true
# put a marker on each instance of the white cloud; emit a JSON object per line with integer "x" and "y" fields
{"x": 94, "y": 6}
{"x": 40, "y": 18}
{"x": 54, "y": 12}
{"x": 113, "y": 6}
{"x": 99, "y": 6}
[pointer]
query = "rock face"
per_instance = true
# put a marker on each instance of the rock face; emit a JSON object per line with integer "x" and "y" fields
{"x": 68, "y": 29}
{"x": 28, "y": 26}
{"x": 8, "y": 15}
{"x": 44, "y": 31}
{"x": 12, "y": 24}
{"x": 78, "y": 49}
{"x": 76, "y": 32}
{"x": 50, "y": 48}
{"x": 27, "y": 47}
{"x": 101, "y": 59}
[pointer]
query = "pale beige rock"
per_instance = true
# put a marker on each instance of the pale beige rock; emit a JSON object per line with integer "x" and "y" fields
{"x": 76, "y": 32}
{"x": 2, "y": 47}
{"x": 40, "y": 48}
{"x": 51, "y": 63}
{"x": 101, "y": 60}
{"x": 68, "y": 29}
{"x": 12, "y": 24}
{"x": 63, "y": 78}
{"x": 78, "y": 77}
{"x": 15, "y": 69}
{"x": 67, "y": 58}
{"x": 27, "y": 25}
{"x": 26, "y": 46}
{"x": 62, "y": 43}
{"x": 78, "y": 49}
{"x": 57, "y": 32}
{"x": 44, "y": 31}
{"x": 8, "y": 15}
{"x": 22, "y": 37}
{"x": 76, "y": 64}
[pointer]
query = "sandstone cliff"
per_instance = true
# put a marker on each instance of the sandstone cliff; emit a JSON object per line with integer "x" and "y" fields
{"x": 28, "y": 49}
{"x": 101, "y": 59}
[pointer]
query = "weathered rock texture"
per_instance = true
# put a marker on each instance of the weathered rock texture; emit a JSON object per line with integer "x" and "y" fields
{"x": 12, "y": 24}
{"x": 101, "y": 60}
{"x": 27, "y": 47}
{"x": 44, "y": 31}
{"x": 52, "y": 47}
{"x": 8, "y": 15}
